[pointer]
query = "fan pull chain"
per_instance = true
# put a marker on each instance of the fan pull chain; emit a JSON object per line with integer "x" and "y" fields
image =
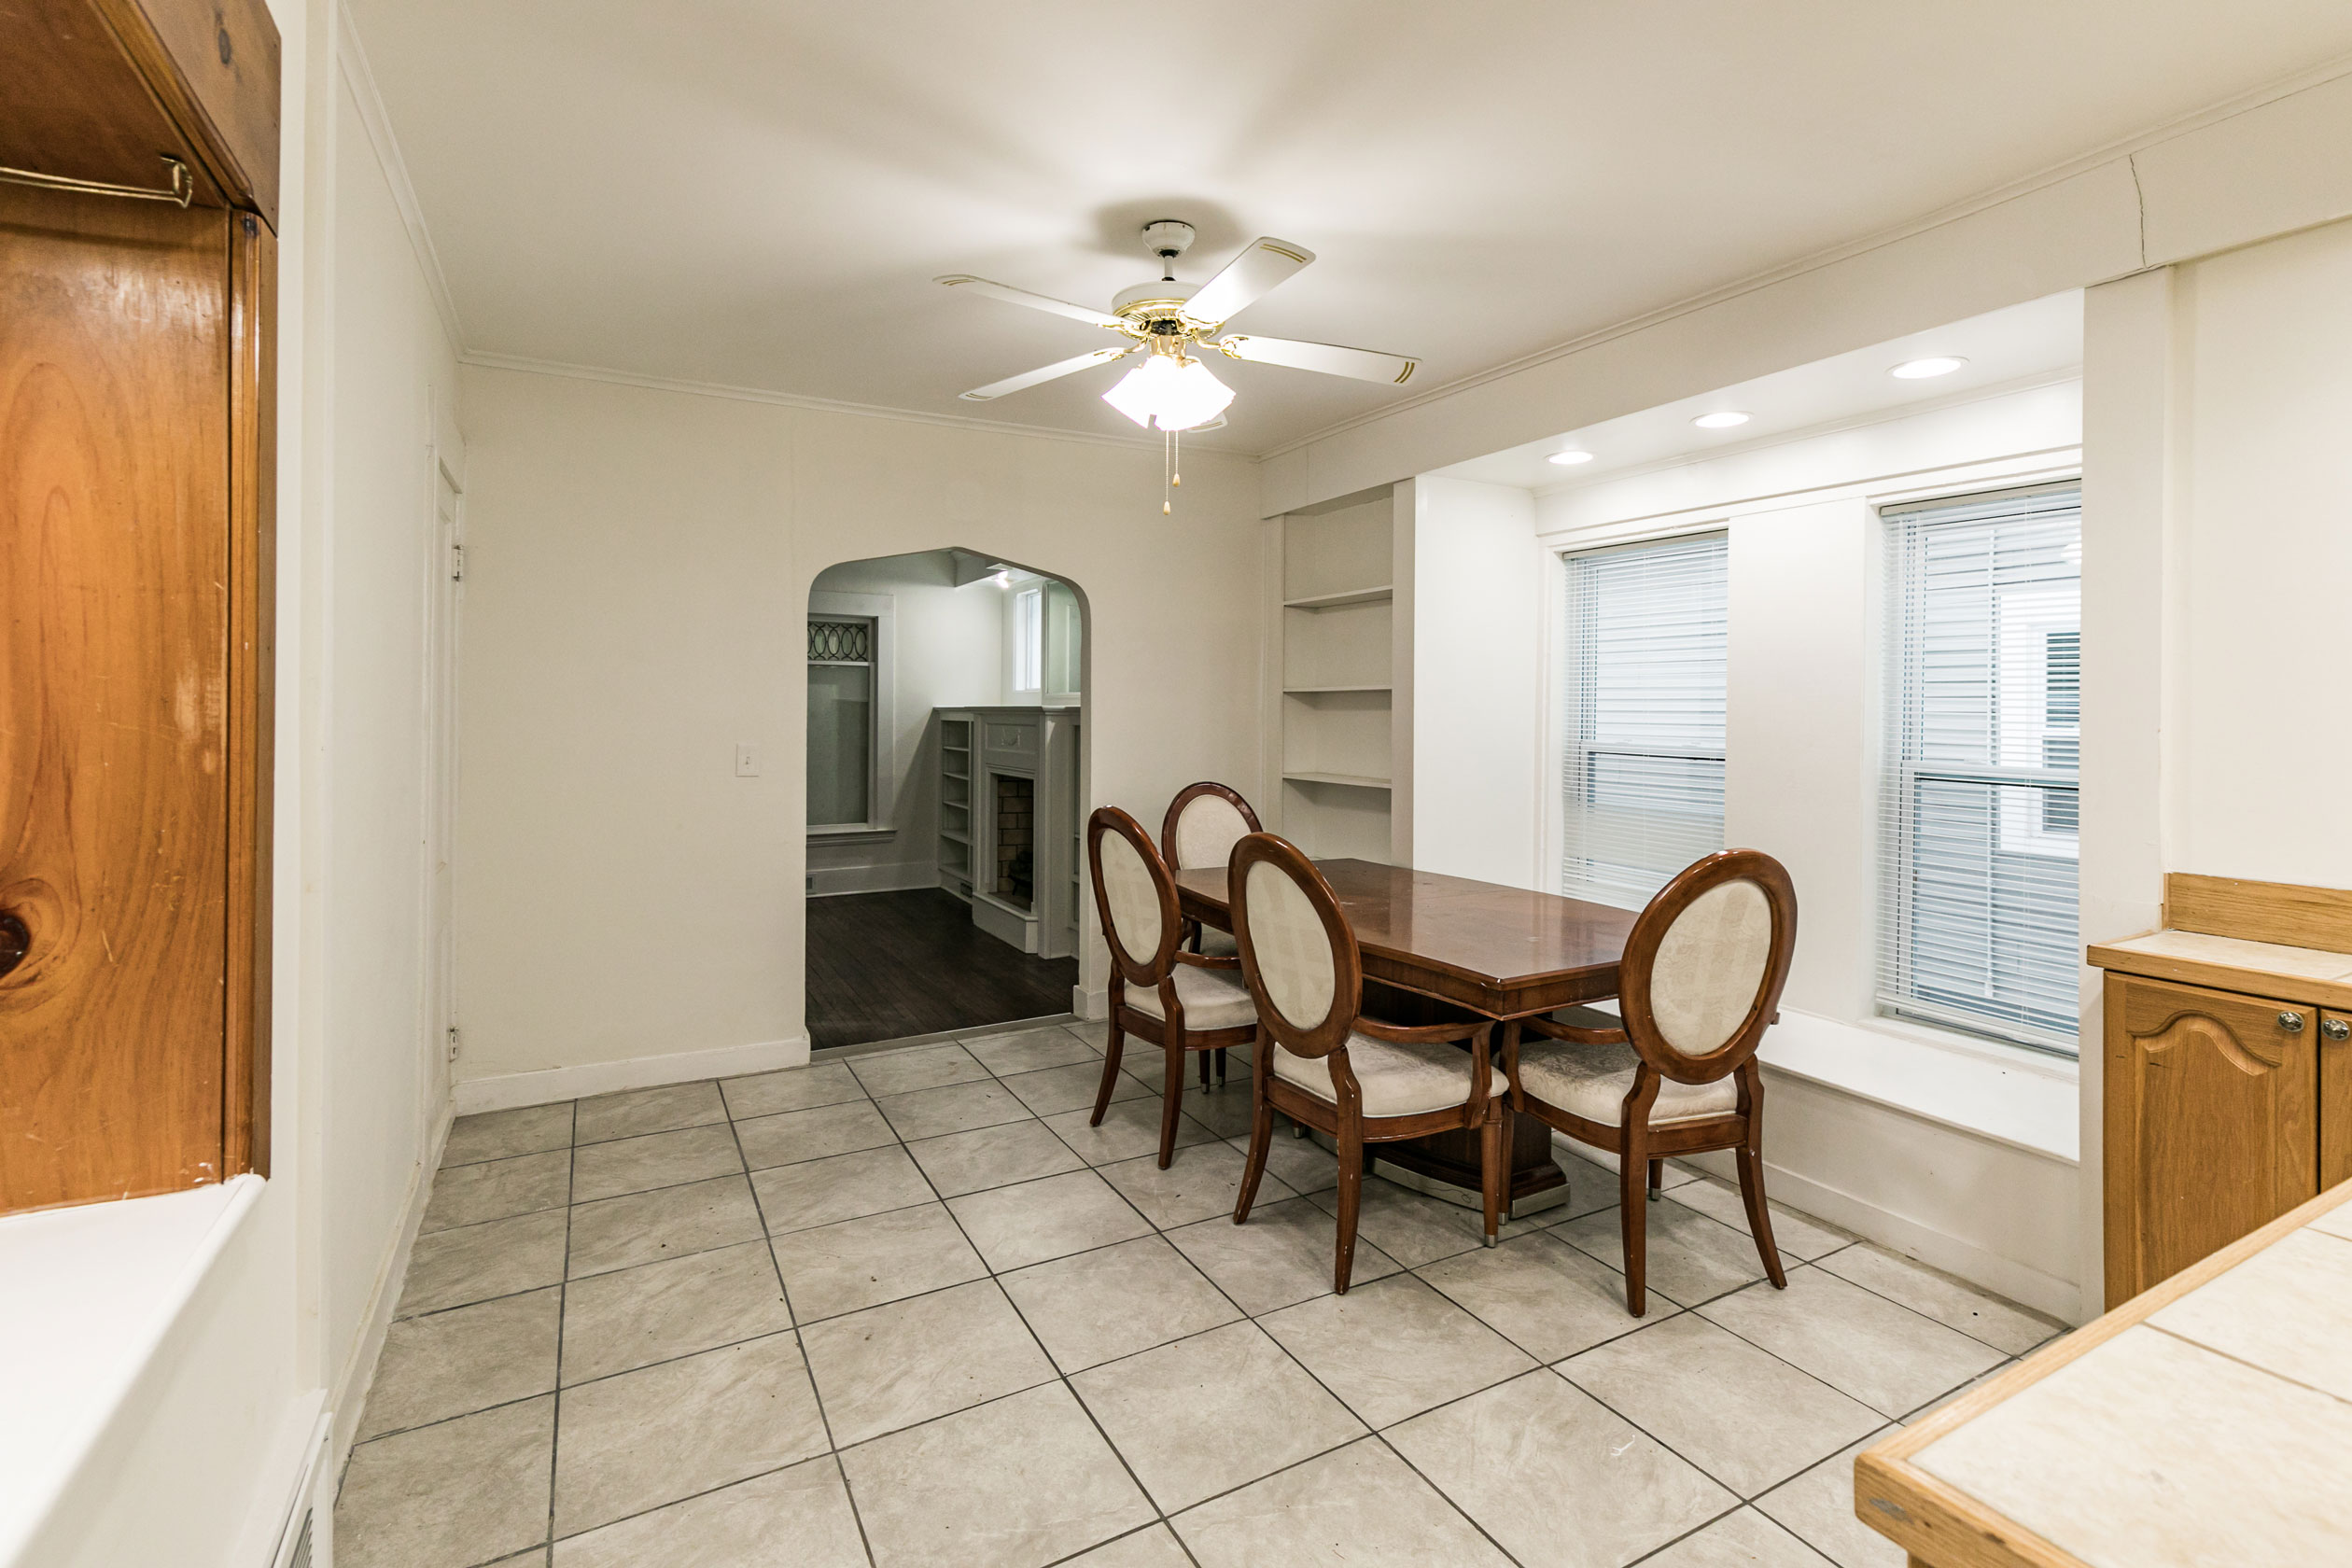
{"x": 1167, "y": 471}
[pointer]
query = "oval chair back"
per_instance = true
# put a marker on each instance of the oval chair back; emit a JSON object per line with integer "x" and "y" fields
{"x": 1298, "y": 954}
{"x": 1702, "y": 972}
{"x": 1135, "y": 897}
{"x": 1203, "y": 823}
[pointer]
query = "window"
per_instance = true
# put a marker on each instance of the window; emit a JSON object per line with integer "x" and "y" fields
{"x": 1028, "y": 639}
{"x": 841, "y": 712}
{"x": 1642, "y": 777}
{"x": 1979, "y": 821}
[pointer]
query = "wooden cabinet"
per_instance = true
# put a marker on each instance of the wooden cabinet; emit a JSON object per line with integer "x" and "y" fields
{"x": 2213, "y": 1118}
{"x": 2227, "y": 1063}
{"x": 137, "y": 396}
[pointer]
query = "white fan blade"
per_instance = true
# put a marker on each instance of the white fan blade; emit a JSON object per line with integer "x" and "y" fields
{"x": 1012, "y": 296}
{"x": 1246, "y": 279}
{"x": 1357, "y": 364}
{"x": 1033, "y": 378}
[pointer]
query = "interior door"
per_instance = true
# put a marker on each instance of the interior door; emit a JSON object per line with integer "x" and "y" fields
{"x": 2212, "y": 1123}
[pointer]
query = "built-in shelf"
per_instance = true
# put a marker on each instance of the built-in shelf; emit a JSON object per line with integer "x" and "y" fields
{"x": 953, "y": 838}
{"x": 1335, "y": 601}
{"x": 1327, "y": 691}
{"x": 1348, "y": 780}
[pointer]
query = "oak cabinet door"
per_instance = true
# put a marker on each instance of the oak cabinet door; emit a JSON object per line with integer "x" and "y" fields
{"x": 2212, "y": 1119}
{"x": 2335, "y": 1098}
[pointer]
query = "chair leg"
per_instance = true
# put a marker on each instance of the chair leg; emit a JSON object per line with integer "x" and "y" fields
{"x": 1494, "y": 1171}
{"x": 1751, "y": 1166}
{"x": 1171, "y": 1101}
{"x": 1221, "y": 1066}
{"x": 1634, "y": 1215}
{"x": 1204, "y": 1072}
{"x": 1351, "y": 1200}
{"x": 1109, "y": 1070}
{"x": 1261, "y": 1139}
{"x": 1656, "y": 1178}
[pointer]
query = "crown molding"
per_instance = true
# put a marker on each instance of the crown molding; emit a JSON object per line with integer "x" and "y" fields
{"x": 2123, "y": 149}
{"x": 526, "y": 365}
{"x": 352, "y": 57}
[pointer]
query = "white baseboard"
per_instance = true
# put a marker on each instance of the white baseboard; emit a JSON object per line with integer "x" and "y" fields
{"x": 2020, "y": 1283}
{"x": 507, "y": 1090}
{"x": 1093, "y": 1006}
{"x": 353, "y": 1380}
{"x": 894, "y": 876}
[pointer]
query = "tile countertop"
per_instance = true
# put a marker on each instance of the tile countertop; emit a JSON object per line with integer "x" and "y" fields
{"x": 2206, "y": 1421}
{"x": 2307, "y": 975}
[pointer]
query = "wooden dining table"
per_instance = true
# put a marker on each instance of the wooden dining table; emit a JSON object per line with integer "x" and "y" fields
{"x": 1437, "y": 949}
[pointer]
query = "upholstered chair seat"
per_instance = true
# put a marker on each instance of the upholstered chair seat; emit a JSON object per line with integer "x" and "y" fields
{"x": 1397, "y": 1080}
{"x": 1592, "y": 1080}
{"x": 1219, "y": 944}
{"x": 1213, "y": 999}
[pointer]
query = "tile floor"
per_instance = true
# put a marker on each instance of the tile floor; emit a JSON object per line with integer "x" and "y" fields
{"x": 908, "y": 1309}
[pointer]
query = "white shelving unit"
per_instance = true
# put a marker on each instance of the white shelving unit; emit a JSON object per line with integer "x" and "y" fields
{"x": 954, "y": 805}
{"x": 1343, "y": 661}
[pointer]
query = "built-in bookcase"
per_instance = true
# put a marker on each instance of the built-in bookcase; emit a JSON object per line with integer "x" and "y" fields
{"x": 955, "y": 805}
{"x": 1341, "y": 653}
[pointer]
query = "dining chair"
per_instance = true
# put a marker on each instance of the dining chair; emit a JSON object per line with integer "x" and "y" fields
{"x": 1321, "y": 1062}
{"x": 1203, "y": 823}
{"x": 1699, "y": 984}
{"x": 1180, "y": 1002}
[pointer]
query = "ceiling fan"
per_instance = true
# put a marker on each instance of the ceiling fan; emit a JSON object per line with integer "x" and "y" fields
{"x": 1171, "y": 389}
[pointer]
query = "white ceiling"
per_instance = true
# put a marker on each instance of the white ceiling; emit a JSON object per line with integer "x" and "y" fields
{"x": 2039, "y": 340}
{"x": 758, "y": 194}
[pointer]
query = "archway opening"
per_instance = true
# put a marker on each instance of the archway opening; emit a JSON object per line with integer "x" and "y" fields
{"x": 947, "y": 694}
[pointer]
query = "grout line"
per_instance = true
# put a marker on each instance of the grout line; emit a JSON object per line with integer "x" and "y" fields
{"x": 1165, "y": 1234}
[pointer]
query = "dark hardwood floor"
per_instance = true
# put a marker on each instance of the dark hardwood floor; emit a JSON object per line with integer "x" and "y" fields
{"x": 882, "y": 966}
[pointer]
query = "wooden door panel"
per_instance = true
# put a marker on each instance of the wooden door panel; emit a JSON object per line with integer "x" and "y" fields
{"x": 2335, "y": 1098}
{"x": 2212, "y": 1123}
{"x": 115, "y": 601}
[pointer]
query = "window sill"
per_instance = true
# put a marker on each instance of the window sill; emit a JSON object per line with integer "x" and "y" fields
{"x": 2022, "y": 1098}
{"x": 92, "y": 1291}
{"x": 853, "y": 833}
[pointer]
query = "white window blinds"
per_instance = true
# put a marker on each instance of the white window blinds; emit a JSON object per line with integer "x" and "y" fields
{"x": 1978, "y": 841}
{"x": 1641, "y": 776}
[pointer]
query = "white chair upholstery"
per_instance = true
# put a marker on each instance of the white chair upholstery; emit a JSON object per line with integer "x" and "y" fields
{"x": 1592, "y": 1080}
{"x": 1218, "y": 944}
{"x": 1206, "y": 832}
{"x": 1396, "y": 1080}
{"x": 1710, "y": 964}
{"x": 1133, "y": 896}
{"x": 1292, "y": 950}
{"x": 1213, "y": 999}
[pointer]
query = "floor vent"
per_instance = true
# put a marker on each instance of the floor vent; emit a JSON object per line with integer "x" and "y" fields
{"x": 298, "y": 1545}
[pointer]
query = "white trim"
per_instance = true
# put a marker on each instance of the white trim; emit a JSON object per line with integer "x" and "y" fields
{"x": 526, "y": 365}
{"x": 2020, "y": 1283}
{"x": 507, "y": 1090}
{"x": 353, "y": 58}
{"x": 2025, "y": 1099}
{"x": 349, "y": 1394}
{"x": 892, "y": 877}
{"x": 882, "y": 719}
{"x": 1090, "y": 1006}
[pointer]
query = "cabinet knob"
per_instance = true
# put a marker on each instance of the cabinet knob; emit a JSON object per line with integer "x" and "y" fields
{"x": 2335, "y": 1028}
{"x": 15, "y": 942}
{"x": 2291, "y": 1022}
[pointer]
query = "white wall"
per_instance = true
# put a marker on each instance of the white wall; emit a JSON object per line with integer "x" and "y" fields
{"x": 948, "y": 653}
{"x": 200, "y": 1463}
{"x": 640, "y": 566}
{"x": 1477, "y": 640}
{"x": 2229, "y": 178}
{"x": 1960, "y": 1152}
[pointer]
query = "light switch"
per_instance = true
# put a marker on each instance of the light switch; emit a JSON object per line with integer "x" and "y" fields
{"x": 747, "y": 760}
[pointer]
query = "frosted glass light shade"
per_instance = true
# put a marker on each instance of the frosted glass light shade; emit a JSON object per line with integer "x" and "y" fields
{"x": 1175, "y": 394}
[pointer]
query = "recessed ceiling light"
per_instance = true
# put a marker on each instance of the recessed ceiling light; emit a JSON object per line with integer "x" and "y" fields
{"x": 1920, "y": 370}
{"x": 1721, "y": 420}
{"x": 1568, "y": 459}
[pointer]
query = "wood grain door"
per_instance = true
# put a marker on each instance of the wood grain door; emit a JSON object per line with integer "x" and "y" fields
{"x": 2335, "y": 1098}
{"x": 2212, "y": 1116}
{"x": 116, "y": 757}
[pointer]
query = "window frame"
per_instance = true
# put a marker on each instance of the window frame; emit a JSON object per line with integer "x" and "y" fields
{"x": 1566, "y": 723}
{"x": 1894, "y": 853}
